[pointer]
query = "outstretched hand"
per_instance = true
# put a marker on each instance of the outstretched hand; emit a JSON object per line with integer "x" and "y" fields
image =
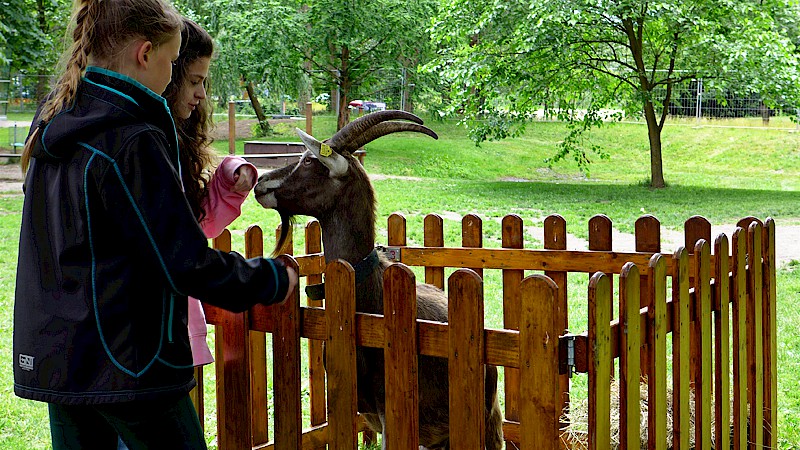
{"x": 243, "y": 178}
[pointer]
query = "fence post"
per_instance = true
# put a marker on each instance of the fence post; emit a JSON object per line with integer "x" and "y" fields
{"x": 699, "y": 108}
{"x": 232, "y": 127}
{"x": 223, "y": 243}
{"x": 681, "y": 353}
{"x": 309, "y": 118}
{"x": 538, "y": 354}
{"x": 555, "y": 238}
{"x": 702, "y": 327}
{"x": 234, "y": 411}
{"x": 600, "y": 239}
{"x": 316, "y": 369}
{"x": 466, "y": 370}
{"x": 722, "y": 406}
{"x": 740, "y": 345}
{"x": 755, "y": 336}
{"x": 648, "y": 240}
{"x": 396, "y": 230}
{"x": 770, "y": 338}
{"x": 254, "y": 246}
{"x": 434, "y": 237}
{"x": 472, "y": 235}
{"x": 400, "y": 361}
{"x": 512, "y": 238}
{"x": 630, "y": 364}
{"x": 286, "y": 369}
{"x": 341, "y": 355}
{"x": 695, "y": 228}
{"x": 657, "y": 343}
{"x": 599, "y": 346}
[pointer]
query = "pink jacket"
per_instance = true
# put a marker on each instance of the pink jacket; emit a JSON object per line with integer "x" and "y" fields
{"x": 222, "y": 207}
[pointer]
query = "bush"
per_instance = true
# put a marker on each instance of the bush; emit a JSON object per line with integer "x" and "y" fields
{"x": 261, "y": 129}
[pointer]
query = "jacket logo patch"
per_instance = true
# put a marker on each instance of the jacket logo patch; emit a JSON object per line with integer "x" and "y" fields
{"x": 25, "y": 362}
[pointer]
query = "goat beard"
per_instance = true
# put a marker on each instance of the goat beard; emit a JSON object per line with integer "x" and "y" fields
{"x": 287, "y": 223}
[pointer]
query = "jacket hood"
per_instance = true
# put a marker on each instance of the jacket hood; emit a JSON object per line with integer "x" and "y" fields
{"x": 105, "y": 100}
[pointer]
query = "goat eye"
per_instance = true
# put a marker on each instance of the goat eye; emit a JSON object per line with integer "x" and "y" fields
{"x": 307, "y": 161}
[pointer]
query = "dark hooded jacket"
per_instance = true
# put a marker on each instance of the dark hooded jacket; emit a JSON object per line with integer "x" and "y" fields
{"x": 109, "y": 251}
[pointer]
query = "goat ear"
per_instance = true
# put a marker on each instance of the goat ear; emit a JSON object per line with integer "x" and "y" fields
{"x": 335, "y": 162}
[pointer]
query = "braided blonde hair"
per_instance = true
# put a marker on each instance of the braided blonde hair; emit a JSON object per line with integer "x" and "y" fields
{"x": 100, "y": 29}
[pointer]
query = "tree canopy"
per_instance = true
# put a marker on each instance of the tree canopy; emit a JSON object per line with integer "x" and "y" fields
{"x": 315, "y": 47}
{"x": 501, "y": 62}
{"x": 507, "y": 60}
{"x": 353, "y": 46}
{"x": 31, "y": 37}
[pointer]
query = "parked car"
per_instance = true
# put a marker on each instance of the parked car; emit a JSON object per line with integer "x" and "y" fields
{"x": 374, "y": 106}
{"x": 367, "y": 105}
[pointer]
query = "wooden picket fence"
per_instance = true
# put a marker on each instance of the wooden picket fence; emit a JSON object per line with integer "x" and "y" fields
{"x": 704, "y": 299}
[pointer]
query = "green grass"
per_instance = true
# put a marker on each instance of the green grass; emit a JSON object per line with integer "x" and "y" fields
{"x": 720, "y": 173}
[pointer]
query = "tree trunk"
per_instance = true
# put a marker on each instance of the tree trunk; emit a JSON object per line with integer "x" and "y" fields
{"x": 343, "y": 80}
{"x": 654, "y": 135}
{"x": 764, "y": 114}
{"x": 262, "y": 119}
{"x": 344, "y": 112}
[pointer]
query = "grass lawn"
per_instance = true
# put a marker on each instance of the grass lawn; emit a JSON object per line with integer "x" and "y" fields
{"x": 720, "y": 173}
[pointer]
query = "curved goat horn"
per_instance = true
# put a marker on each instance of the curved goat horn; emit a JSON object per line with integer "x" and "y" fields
{"x": 382, "y": 129}
{"x": 341, "y": 141}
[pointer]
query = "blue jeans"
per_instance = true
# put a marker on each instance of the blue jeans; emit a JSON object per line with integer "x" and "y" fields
{"x": 160, "y": 424}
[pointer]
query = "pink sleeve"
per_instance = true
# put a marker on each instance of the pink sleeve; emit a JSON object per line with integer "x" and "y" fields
{"x": 222, "y": 205}
{"x": 198, "y": 331}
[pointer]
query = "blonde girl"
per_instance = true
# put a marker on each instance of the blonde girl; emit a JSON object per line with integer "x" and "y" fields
{"x": 110, "y": 249}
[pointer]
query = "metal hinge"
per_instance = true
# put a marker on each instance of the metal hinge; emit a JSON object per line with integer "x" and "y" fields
{"x": 567, "y": 354}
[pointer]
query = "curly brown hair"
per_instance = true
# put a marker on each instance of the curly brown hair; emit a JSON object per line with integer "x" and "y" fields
{"x": 194, "y": 133}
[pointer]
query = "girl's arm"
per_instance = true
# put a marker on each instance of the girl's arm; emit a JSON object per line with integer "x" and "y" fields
{"x": 143, "y": 186}
{"x": 229, "y": 186}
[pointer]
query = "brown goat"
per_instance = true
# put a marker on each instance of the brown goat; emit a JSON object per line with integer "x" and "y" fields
{"x": 329, "y": 184}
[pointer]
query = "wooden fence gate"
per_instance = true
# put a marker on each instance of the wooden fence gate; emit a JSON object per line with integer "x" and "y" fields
{"x": 694, "y": 300}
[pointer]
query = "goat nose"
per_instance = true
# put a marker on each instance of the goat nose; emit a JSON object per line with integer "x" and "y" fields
{"x": 266, "y": 185}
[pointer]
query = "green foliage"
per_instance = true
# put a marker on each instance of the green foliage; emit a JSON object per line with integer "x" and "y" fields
{"x": 506, "y": 61}
{"x": 249, "y": 44}
{"x": 261, "y": 129}
{"x": 285, "y": 46}
{"x": 355, "y": 46}
{"x": 31, "y": 33}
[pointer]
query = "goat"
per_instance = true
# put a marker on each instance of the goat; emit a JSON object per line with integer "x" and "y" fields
{"x": 329, "y": 184}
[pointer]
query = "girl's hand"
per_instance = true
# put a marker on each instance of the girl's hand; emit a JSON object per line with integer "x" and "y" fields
{"x": 244, "y": 178}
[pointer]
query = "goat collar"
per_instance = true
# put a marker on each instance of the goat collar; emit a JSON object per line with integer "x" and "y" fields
{"x": 363, "y": 269}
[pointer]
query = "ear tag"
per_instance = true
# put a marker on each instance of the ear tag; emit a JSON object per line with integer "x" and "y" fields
{"x": 325, "y": 149}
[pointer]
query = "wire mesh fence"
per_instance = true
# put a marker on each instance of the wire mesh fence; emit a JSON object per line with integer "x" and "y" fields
{"x": 19, "y": 93}
{"x": 696, "y": 101}
{"x": 692, "y": 102}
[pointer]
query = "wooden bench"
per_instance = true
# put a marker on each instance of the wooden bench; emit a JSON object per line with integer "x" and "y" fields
{"x": 279, "y": 154}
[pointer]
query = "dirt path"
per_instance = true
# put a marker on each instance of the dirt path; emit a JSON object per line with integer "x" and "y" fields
{"x": 10, "y": 178}
{"x": 244, "y": 126}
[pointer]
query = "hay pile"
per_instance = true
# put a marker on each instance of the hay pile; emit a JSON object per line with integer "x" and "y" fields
{"x": 575, "y": 435}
